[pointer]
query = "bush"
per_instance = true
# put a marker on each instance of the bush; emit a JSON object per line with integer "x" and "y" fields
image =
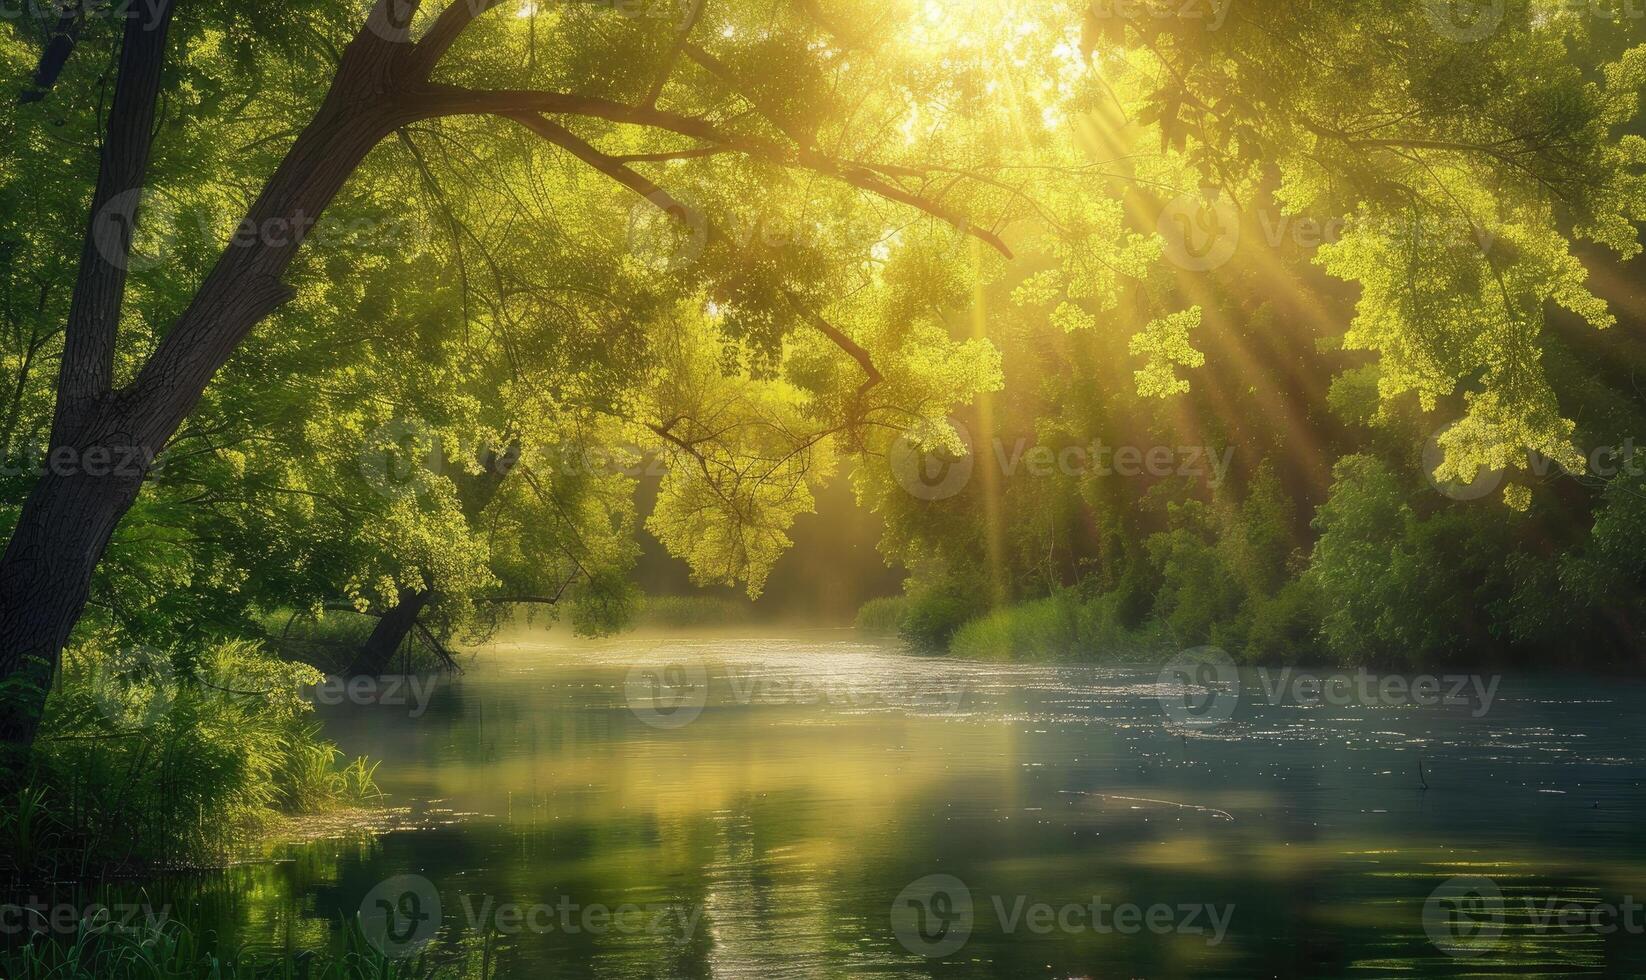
{"x": 1041, "y": 630}
{"x": 1286, "y": 628}
{"x": 143, "y": 761}
{"x": 883, "y": 616}
{"x": 930, "y": 619}
{"x": 1059, "y": 628}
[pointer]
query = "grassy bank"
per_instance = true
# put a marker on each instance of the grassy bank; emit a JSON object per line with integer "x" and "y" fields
{"x": 1062, "y": 627}
{"x": 145, "y": 763}
{"x": 102, "y": 950}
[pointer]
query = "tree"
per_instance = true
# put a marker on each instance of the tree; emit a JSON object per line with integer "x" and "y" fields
{"x": 735, "y": 123}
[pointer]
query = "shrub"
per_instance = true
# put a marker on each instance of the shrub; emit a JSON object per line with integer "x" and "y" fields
{"x": 931, "y": 618}
{"x": 1060, "y": 627}
{"x": 1040, "y": 630}
{"x": 883, "y": 616}
{"x": 143, "y": 761}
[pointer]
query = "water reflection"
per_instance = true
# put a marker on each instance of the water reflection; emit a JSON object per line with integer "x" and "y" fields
{"x": 566, "y": 832}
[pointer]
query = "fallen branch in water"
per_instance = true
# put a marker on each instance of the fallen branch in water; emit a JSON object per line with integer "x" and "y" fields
{"x": 1214, "y": 811}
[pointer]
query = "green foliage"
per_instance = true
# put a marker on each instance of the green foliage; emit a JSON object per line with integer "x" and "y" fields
{"x": 144, "y": 761}
{"x": 1040, "y": 630}
{"x": 932, "y": 615}
{"x": 101, "y": 950}
{"x": 1059, "y": 628}
{"x": 882, "y": 616}
{"x": 1375, "y": 565}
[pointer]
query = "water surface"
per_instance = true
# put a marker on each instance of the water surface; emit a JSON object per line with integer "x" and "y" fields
{"x": 760, "y": 806}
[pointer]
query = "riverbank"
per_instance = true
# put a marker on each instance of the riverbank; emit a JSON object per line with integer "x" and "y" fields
{"x": 1069, "y": 628}
{"x": 141, "y": 766}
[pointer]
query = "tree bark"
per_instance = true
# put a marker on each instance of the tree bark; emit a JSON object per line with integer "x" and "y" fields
{"x": 475, "y": 492}
{"x": 377, "y": 653}
{"x": 45, "y": 578}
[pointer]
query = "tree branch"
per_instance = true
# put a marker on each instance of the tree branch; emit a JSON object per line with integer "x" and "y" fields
{"x": 446, "y": 100}
{"x": 448, "y": 26}
{"x": 680, "y": 38}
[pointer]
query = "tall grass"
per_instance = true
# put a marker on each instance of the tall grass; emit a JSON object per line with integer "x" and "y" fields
{"x": 1062, "y": 627}
{"x": 882, "y": 617}
{"x": 144, "y": 762}
{"x": 101, "y": 950}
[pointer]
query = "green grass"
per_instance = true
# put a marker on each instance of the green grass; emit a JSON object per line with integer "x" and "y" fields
{"x": 1042, "y": 630}
{"x": 1063, "y": 627}
{"x": 143, "y": 762}
{"x": 884, "y": 616}
{"x": 103, "y": 951}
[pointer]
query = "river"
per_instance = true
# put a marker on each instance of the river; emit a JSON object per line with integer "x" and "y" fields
{"x": 813, "y": 804}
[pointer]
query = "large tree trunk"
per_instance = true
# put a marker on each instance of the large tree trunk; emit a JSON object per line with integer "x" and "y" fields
{"x": 377, "y": 653}
{"x": 45, "y": 576}
{"x": 66, "y": 522}
{"x": 475, "y": 492}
